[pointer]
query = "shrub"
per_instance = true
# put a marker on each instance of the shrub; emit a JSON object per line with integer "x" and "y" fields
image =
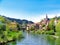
{"x": 38, "y": 32}
{"x": 50, "y": 32}
{"x": 58, "y": 27}
{"x": 51, "y": 24}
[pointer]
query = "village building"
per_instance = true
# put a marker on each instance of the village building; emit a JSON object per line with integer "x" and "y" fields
{"x": 29, "y": 26}
{"x": 44, "y": 23}
{"x": 40, "y": 25}
{"x": 37, "y": 26}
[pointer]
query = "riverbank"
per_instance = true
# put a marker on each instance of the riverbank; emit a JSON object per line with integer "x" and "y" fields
{"x": 51, "y": 32}
{"x": 9, "y": 36}
{"x": 34, "y": 39}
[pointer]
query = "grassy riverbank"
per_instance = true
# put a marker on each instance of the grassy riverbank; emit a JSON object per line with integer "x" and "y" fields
{"x": 51, "y": 32}
{"x": 10, "y": 36}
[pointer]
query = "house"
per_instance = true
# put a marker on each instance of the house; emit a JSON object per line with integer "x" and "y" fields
{"x": 29, "y": 26}
{"x": 44, "y": 23}
{"x": 40, "y": 25}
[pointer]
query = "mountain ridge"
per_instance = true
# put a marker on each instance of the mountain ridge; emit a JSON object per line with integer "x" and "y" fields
{"x": 20, "y": 21}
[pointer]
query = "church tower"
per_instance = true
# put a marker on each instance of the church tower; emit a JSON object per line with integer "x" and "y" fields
{"x": 47, "y": 20}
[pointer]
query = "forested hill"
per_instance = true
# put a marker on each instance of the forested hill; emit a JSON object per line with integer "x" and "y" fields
{"x": 18, "y": 20}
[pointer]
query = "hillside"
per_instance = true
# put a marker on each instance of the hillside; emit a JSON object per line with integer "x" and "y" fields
{"x": 19, "y": 20}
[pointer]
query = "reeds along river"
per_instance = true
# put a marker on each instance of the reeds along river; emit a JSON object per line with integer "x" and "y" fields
{"x": 34, "y": 39}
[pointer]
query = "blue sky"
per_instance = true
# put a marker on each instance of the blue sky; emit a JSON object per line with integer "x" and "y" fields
{"x": 33, "y": 10}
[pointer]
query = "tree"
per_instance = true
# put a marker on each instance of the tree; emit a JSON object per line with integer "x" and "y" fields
{"x": 2, "y": 26}
{"x": 58, "y": 27}
{"x": 51, "y": 24}
{"x": 2, "y": 19}
{"x": 18, "y": 26}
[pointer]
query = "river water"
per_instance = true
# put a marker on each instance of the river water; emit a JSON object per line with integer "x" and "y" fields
{"x": 34, "y": 39}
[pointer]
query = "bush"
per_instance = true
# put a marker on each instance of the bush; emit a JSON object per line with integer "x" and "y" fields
{"x": 58, "y": 27}
{"x": 50, "y": 32}
{"x": 57, "y": 33}
{"x": 10, "y": 35}
{"x": 2, "y": 27}
{"x": 2, "y": 19}
{"x": 38, "y": 32}
{"x": 51, "y": 24}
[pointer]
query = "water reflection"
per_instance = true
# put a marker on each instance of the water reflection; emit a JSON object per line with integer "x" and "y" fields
{"x": 13, "y": 43}
{"x": 53, "y": 41}
{"x": 57, "y": 42}
{"x": 35, "y": 39}
{"x": 50, "y": 40}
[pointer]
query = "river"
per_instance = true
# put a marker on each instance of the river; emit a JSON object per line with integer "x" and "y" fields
{"x": 34, "y": 39}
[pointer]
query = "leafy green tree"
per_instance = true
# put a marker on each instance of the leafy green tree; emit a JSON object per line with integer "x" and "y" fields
{"x": 58, "y": 27}
{"x": 2, "y": 19}
{"x": 2, "y": 27}
{"x": 51, "y": 24}
{"x": 18, "y": 26}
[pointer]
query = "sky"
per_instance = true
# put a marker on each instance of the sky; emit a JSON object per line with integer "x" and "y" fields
{"x": 32, "y": 10}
